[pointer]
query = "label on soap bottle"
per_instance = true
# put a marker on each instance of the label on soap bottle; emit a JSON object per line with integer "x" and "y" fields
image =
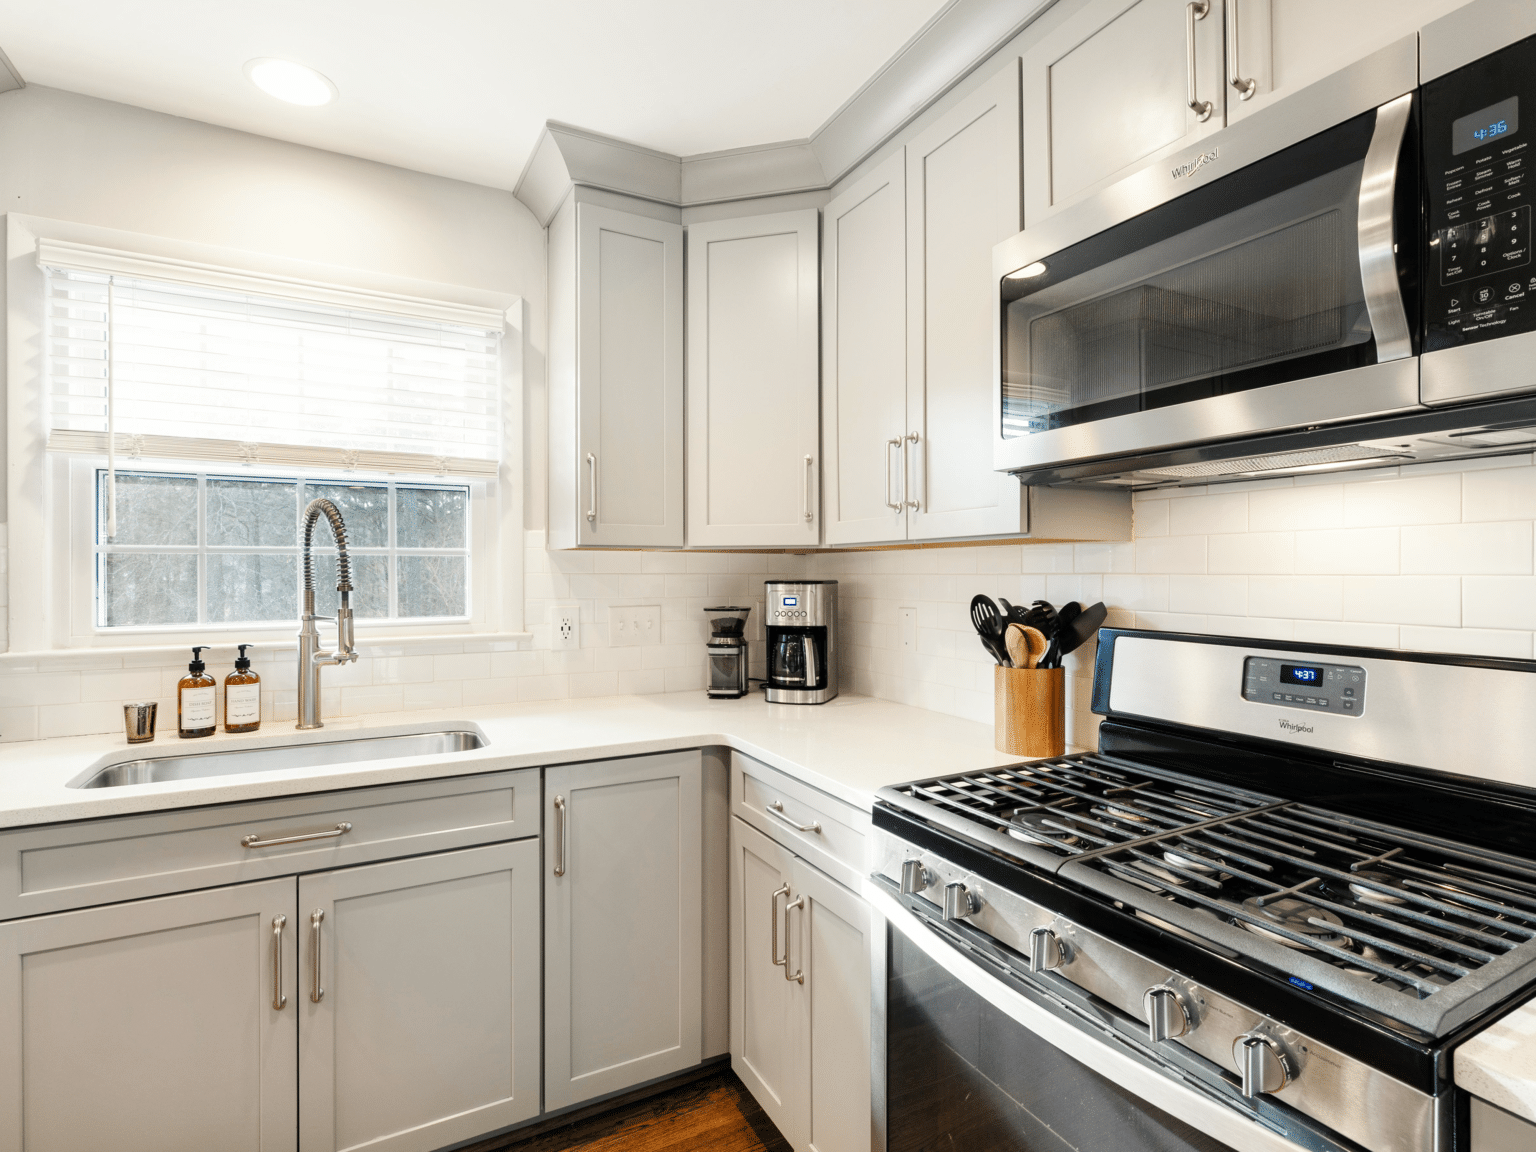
{"x": 242, "y": 704}
{"x": 197, "y": 709}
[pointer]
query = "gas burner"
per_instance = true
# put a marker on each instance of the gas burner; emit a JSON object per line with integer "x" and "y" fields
{"x": 1188, "y": 863}
{"x": 1293, "y": 915}
{"x": 1161, "y": 875}
{"x": 1374, "y": 895}
{"x": 1038, "y": 828}
{"x": 1126, "y": 814}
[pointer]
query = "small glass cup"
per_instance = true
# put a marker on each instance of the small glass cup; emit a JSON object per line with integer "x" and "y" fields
{"x": 139, "y": 720}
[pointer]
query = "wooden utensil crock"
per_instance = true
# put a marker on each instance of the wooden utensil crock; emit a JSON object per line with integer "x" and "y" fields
{"x": 1030, "y": 717}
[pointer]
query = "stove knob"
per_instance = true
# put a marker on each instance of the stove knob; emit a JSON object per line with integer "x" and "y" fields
{"x": 1263, "y": 1063}
{"x": 959, "y": 902}
{"x": 1045, "y": 951}
{"x": 1167, "y": 1014}
{"x": 914, "y": 877}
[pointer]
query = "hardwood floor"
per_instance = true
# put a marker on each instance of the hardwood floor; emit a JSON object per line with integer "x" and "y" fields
{"x": 712, "y": 1114}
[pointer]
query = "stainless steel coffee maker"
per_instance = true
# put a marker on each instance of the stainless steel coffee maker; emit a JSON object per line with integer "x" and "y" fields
{"x": 727, "y": 652}
{"x": 802, "y": 641}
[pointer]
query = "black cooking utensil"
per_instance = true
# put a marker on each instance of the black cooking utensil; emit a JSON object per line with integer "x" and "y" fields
{"x": 1067, "y": 613}
{"x": 990, "y": 626}
{"x": 1042, "y": 615}
{"x": 1084, "y": 625}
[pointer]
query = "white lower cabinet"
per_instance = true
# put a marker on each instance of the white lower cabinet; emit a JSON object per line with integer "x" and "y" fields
{"x": 800, "y": 995}
{"x": 418, "y": 996}
{"x": 154, "y": 1025}
{"x": 623, "y": 936}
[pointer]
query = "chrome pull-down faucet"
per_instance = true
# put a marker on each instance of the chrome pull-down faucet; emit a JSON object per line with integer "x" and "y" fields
{"x": 311, "y": 656}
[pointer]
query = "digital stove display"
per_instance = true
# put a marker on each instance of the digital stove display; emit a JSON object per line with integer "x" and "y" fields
{"x": 1336, "y": 688}
{"x": 1300, "y": 674}
{"x": 1485, "y": 126}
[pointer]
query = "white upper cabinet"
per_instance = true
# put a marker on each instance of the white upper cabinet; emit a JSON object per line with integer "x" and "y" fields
{"x": 753, "y": 443}
{"x": 1107, "y": 89}
{"x": 962, "y": 195}
{"x": 615, "y": 379}
{"x": 1284, "y": 45}
{"x": 863, "y": 365}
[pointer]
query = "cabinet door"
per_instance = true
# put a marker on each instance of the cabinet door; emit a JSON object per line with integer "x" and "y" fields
{"x": 769, "y": 1045}
{"x": 962, "y": 199}
{"x": 863, "y": 368}
{"x": 753, "y": 392}
{"x": 1284, "y": 45}
{"x": 623, "y": 887}
{"x": 834, "y": 948}
{"x": 158, "y": 1024}
{"x": 1106, "y": 90}
{"x": 419, "y": 992}
{"x": 629, "y": 378}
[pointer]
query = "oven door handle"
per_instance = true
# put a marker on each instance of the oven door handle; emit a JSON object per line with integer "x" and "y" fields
{"x": 1158, "y": 1089}
{"x": 1377, "y": 232}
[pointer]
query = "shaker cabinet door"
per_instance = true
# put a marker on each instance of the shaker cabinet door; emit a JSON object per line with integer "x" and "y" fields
{"x": 623, "y": 936}
{"x": 158, "y": 1024}
{"x": 418, "y": 989}
{"x": 863, "y": 366}
{"x": 962, "y": 199}
{"x": 753, "y": 396}
{"x": 1107, "y": 89}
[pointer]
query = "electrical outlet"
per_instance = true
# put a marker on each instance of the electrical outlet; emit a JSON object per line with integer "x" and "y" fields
{"x": 908, "y": 629}
{"x": 634, "y": 624}
{"x": 565, "y": 626}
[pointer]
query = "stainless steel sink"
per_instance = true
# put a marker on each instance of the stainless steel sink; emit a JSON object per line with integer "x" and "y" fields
{"x": 310, "y": 754}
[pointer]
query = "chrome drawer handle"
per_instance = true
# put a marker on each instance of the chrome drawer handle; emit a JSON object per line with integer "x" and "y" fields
{"x": 559, "y": 835}
{"x": 1196, "y": 10}
{"x": 793, "y": 977}
{"x": 316, "y": 993}
{"x": 773, "y": 922}
{"x": 279, "y": 1001}
{"x": 254, "y": 840}
{"x": 776, "y": 809}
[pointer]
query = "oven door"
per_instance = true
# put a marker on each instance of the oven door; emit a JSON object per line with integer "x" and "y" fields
{"x": 1275, "y": 297}
{"x": 979, "y": 1055}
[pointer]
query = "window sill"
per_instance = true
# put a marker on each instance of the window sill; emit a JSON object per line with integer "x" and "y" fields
{"x": 100, "y": 657}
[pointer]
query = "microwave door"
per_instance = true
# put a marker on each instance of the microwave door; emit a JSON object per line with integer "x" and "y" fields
{"x": 1192, "y": 321}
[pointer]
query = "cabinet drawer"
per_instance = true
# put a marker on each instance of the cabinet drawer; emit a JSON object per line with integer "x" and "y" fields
{"x": 829, "y": 833}
{"x": 63, "y": 866}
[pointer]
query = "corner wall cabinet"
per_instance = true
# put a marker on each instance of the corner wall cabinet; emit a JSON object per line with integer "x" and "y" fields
{"x": 754, "y": 459}
{"x": 615, "y": 378}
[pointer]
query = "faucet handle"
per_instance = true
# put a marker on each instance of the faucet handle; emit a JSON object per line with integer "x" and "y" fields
{"x": 344, "y": 635}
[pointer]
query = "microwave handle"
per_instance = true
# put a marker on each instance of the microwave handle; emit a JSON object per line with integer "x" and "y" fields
{"x": 1377, "y": 229}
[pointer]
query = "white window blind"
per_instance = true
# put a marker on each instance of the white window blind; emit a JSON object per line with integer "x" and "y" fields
{"x": 188, "y": 371}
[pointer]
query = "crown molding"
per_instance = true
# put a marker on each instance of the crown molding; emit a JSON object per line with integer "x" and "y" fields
{"x": 10, "y": 79}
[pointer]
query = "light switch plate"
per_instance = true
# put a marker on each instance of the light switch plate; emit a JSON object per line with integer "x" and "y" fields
{"x": 565, "y": 627}
{"x": 908, "y": 630}
{"x": 633, "y": 624}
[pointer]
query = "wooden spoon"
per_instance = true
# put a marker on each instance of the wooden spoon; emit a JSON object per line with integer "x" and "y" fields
{"x": 1025, "y": 645}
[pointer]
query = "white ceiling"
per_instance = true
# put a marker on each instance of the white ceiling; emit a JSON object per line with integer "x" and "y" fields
{"x": 462, "y": 87}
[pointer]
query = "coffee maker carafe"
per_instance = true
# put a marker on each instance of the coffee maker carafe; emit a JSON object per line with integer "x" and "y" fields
{"x": 802, "y": 641}
{"x": 727, "y": 652}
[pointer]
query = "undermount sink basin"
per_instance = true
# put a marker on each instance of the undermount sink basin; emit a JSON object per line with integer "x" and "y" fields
{"x": 316, "y": 754}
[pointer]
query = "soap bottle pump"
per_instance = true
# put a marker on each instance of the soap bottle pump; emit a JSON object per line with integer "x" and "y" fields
{"x": 196, "y": 707}
{"x": 242, "y": 696}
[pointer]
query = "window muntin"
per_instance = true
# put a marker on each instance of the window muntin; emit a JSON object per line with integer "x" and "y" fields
{"x": 210, "y": 548}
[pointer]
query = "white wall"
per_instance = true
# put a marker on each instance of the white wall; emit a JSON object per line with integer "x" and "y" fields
{"x": 1430, "y": 557}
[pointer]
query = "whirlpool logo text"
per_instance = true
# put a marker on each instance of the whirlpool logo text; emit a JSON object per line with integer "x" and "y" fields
{"x": 1199, "y": 162}
{"x": 1292, "y": 726}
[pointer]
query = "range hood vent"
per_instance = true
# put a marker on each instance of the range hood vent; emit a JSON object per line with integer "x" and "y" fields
{"x": 1278, "y": 462}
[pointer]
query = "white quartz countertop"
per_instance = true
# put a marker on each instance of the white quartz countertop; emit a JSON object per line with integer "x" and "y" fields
{"x": 1499, "y": 1063}
{"x": 849, "y": 748}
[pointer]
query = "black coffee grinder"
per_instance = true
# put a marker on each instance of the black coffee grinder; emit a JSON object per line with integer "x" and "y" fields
{"x": 727, "y": 652}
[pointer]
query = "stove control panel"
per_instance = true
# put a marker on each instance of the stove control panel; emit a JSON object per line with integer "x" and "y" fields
{"x": 1305, "y": 685}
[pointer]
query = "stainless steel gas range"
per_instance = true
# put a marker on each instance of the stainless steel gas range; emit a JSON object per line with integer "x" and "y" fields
{"x": 1262, "y": 916}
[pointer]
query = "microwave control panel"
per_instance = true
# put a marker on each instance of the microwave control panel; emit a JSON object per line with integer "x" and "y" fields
{"x": 1479, "y": 279}
{"x": 1304, "y": 685}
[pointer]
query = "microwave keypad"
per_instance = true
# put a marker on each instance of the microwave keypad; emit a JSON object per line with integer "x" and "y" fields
{"x": 1304, "y": 685}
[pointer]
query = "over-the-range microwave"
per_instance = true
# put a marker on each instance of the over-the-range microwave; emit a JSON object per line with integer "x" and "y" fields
{"x": 1341, "y": 280}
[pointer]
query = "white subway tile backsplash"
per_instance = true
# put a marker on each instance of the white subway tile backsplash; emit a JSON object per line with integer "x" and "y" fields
{"x": 1149, "y": 517}
{"x": 1311, "y": 597}
{"x": 1499, "y": 494}
{"x": 1339, "y": 551}
{"x": 1407, "y": 499}
{"x": 1220, "y": 511}
{"x": 1169, "y": 554}
{"x": 1221, "y": 595}
{"x": 1498, "y": 602}
{"x": 1345, "y": 632}
{"x": 1499, "y": 548}
{"x": 1252, "y": 553}
{"x": 1403, "y": 599}
{"x": 1468, "y": 641}
{"x": 1283, "y": 509}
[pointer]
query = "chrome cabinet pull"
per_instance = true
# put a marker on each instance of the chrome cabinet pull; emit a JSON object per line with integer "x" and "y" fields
{"x": 1234, "y": 74}
{"x": 793, "y": 977}
{"x": 894, "y": 442}
{"x": 773, "y": 928}
{"x": 591, "y": 488}
{"x": 908, "y": 470}
{"x": 316, "y": 993}
{"x": 1195, "y": 10}
{"x": 775, "y": 808}
{"x": 806, "y": 490}
{"x": 559, "y": 835}
{"x": 254, "y": 840}
{"x": 279, "y": 1001}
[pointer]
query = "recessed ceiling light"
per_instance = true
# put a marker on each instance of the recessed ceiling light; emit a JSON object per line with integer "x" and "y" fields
{"x": 291, "y": 82}
{"x": 1028, "y": 272}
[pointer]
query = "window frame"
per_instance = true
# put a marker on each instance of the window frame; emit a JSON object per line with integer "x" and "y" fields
{"x": 51, "y": 584}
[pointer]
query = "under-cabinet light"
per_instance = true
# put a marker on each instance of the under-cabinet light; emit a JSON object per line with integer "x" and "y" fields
{"x": 1028, "y": 272}
{"x": 291, "y": 82}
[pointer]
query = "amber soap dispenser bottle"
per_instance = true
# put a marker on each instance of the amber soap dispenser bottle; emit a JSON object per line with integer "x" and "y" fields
{"x": 242, "y": 696}
{"x": 196, "y": 707}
